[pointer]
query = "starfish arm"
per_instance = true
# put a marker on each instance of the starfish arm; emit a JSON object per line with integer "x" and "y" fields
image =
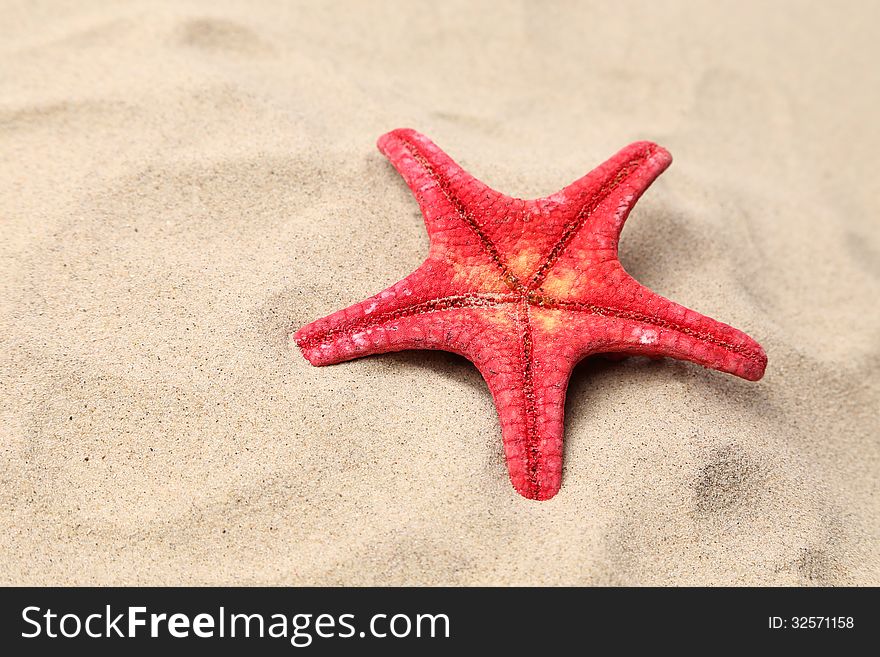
{"x": 528, "y": 382}
{"x": 636, "y": 320}
{"x": 601, "y": 201}
{"x": 362, "y": 329}
{"x": 443, "y": 189}
{"x": 393, "y": 320}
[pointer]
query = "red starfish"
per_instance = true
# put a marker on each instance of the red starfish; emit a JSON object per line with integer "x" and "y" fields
{"x": 525, "y": 290}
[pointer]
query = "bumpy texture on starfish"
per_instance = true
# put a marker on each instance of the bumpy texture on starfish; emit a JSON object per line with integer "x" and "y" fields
{"x": 525, "y": 290}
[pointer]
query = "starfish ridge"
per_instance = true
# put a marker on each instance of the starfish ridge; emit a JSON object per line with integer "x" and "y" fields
{"x": 525, "y": 289}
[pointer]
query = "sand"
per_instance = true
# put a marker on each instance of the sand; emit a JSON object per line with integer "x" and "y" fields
{"x": 181, "y": 184}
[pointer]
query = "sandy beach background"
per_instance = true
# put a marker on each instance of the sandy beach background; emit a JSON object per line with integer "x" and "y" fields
{"x": 183, "y": 183}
